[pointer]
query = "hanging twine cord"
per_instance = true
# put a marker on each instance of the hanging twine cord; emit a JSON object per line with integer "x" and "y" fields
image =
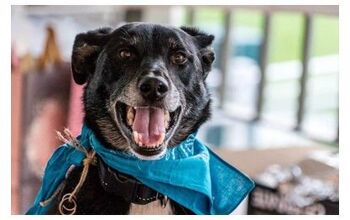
{"x": 68, "y": 204}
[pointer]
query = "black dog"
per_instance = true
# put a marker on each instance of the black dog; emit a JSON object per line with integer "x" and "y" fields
{"x": 145, "y": 91}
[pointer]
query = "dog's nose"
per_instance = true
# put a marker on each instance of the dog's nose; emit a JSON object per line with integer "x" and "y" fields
{"x": 153, "y": 88}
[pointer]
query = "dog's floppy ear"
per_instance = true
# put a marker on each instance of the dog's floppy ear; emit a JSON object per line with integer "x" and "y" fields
{"x": 86, "y": 49}
{"x": 204, "y": 41}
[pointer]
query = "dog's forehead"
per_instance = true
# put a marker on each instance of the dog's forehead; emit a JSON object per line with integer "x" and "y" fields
{"x": 145, "y": 32}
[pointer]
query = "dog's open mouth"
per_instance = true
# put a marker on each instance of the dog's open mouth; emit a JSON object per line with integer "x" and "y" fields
{"x": 148, "y": 128}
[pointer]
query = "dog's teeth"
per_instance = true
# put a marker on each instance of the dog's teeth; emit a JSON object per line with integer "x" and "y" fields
{"x": 140, "y": 140}
{"x": 161, "y": 139}
{"x": 166, "y": 119}
{"x": 136, "y": 137}
{"x": 130, "y": 121}
{"x": 130, "y": 116}
{"x": 166, "y": 116}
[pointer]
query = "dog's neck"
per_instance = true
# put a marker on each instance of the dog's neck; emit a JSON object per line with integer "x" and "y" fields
{"x": 113, "y": 180}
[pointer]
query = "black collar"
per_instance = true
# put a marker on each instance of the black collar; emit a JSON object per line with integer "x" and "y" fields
{"x": 126, "y": 186}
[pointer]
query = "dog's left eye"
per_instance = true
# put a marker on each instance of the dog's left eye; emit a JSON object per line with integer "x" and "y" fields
{"x": 178, "y": 58}
{"x": 126, "y": 54}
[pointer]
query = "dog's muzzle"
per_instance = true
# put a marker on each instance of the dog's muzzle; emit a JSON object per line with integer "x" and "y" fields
{"x": 149, "y": 122}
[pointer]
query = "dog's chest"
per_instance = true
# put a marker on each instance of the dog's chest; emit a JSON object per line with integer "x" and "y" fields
{"x": 152, "y": 208}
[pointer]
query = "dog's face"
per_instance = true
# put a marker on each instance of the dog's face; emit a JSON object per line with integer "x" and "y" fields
{"x": 146, "y": 87}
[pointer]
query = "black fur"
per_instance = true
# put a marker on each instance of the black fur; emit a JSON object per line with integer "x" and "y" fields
{"x": 96, "y": 62}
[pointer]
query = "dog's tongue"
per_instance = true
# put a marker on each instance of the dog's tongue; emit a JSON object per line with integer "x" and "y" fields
{"x": 149, "y": 124}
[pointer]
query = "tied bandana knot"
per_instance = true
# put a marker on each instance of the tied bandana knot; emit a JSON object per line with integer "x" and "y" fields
{"x": 191, "y": 175}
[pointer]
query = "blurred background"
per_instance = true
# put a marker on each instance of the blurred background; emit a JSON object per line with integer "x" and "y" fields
{"x": 274, "y": 86}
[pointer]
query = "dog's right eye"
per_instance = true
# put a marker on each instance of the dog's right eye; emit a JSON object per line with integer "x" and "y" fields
{"x": 126, "y": 54}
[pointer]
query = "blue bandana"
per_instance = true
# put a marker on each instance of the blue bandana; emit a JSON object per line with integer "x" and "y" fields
{"x": 190, "y": 174}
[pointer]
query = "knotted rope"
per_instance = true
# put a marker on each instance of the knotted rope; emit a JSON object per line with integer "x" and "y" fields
{"x": 68, "y": 204}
